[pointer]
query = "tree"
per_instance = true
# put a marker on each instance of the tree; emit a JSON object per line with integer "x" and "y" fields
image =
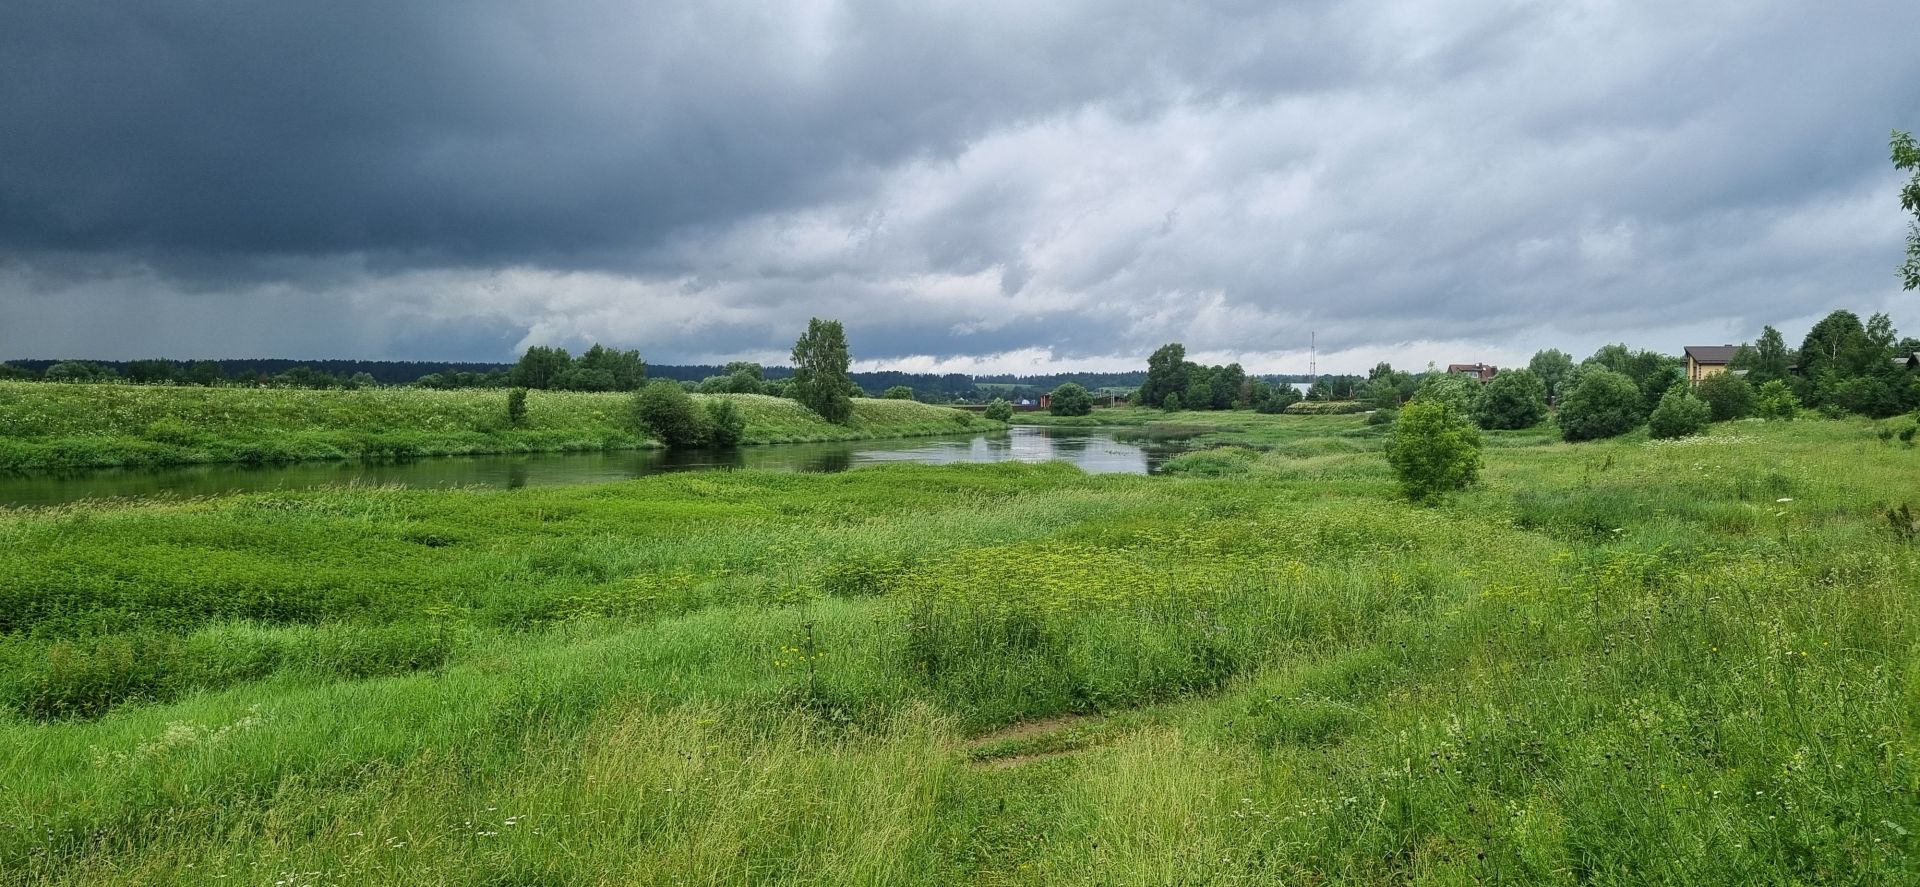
{"x": 725, "y": 425}
{"x": 204, "y": 372}
{"x": 820, "y": 362}
{"x": 1278, "y": 399}
{"x": 517, "y": 407}
{"x": 1727, "y": 395}
{"x": 541, "y": 367}
{"x": 9, "y": 372}
{"x": 999, "y": 410}
{"x": 1433, "y": 449}
{"x": 1167, "y": 374}
{"x": 1226, "y": 384}
{"x": 1460, "y": 393}
{"x": 1171, "y": 404}
{"x": 1513, "y": 399}
{"x": 1381, "y": 393}
{"x": 1652, "y": 372}
{"x": 898, "y": 392}
{"x": 1906, "y": 156}
{"x": 1775, "y": 401}
{"x": 1603, "y": 403}
{"x": 664, "y": 410}
{"x": 78, "y": 371}
{"x": 1550, "y": 366}
{"x": 609, "y": 369}
{"x": 1767, "y": 360}
{"x": 1837, "y": 346}
{"x": 1070, "y": 399}
{"x": 150, "y": 372}
{"x": 1679, "y": 414}
{"x": 742, "y": 377}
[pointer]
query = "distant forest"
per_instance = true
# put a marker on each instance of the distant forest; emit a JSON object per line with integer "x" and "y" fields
{"x": 926, "y": 386}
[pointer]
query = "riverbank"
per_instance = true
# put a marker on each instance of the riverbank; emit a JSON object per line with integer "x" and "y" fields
{"x": 1614, "y": 658}
{"x": 48, "y": 426}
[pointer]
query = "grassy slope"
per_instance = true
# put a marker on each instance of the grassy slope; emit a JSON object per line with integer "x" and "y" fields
{"x": 1623, "y": 662}
{"x": 44, "y": 425}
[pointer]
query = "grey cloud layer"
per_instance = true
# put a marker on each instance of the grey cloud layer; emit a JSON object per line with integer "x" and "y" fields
{"x": 460, "y": 179}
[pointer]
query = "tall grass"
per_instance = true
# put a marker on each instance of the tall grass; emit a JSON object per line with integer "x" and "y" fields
{"x": 1623, "y": 662}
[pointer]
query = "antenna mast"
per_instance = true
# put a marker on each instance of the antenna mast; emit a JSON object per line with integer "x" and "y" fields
{"x": 1313, "y": 357}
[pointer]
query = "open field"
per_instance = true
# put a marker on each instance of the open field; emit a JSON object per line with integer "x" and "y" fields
{"x": 50, "y": 425}
{"x": 1625, "y": 662}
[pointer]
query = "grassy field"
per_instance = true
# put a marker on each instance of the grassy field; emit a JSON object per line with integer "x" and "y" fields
{"x": 49, "y": 426}
{"x": 1619, "y": 663}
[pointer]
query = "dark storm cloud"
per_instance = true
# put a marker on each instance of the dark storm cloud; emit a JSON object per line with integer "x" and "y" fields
{"x": 1065, "y": 182}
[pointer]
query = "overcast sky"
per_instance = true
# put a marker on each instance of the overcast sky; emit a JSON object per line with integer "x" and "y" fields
{"x": 973, "y": 186}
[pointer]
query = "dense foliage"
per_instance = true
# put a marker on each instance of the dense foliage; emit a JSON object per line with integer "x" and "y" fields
{"x": 1602, "y": 403}
{"x": 1906, "y": 156}
{"x": 999, "y": 410}
{"x": 1728, "y": 396}
{"x": 1678, "y": 414}
{"x": 1551, "y": 366}
{"x": 553, "y": 369}
{"x": 820, "y": 361}
{"x": 1434, "y": 449}
{"x": 1070, "y": 400}
{"x": 1512, "y": 399}
{"x": 1775, "y": 401}
{"x": 667, "y": 414}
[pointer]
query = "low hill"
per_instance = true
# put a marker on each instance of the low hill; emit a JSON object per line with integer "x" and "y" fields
{"x": 52, "y": 426}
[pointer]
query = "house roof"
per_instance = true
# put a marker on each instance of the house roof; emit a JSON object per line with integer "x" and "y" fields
{"x": 1467, "y": 367}
{"x": 1711, "y": 354}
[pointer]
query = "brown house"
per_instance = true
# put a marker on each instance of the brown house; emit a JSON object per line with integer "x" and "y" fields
{"x": 1708, "y": 360}
{"x": 1480, "y": 372}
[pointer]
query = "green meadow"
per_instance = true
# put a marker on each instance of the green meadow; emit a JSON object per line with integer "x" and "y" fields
{"x": 1627, "y": 662}
{"x": 62, "y": 426}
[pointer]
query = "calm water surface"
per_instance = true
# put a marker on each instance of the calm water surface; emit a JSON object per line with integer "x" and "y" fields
{"x": 1095, "y": 451}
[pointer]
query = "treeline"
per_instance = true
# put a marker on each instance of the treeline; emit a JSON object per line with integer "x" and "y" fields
{"x": 244, "y": 371}
{"x": 590, "y": 371}
{"x": 1173, "y": 382}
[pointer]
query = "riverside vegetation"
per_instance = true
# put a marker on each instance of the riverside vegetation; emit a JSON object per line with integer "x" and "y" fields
{"x": 53, "y": 426}
{"x": 1632, "y": 661}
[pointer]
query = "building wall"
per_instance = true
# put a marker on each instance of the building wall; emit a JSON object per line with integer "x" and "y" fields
{"x": 1698, "y": 371}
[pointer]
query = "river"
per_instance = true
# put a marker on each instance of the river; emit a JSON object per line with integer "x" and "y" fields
{"x": 1094, "y": 451}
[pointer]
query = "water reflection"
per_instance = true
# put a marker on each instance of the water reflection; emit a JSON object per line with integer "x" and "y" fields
{"x": 1092, "y": 450}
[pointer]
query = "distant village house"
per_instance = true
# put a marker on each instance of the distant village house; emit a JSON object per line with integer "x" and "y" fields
{"x": 1708, "y": 360}
{"x": 1479, "y": 372}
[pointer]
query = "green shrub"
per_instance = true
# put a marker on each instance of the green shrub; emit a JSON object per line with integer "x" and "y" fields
{"x": 1433, "y": 450}
{"x": 1459, "y": 392}
{"x": 1679, "y": 414}
{"x": 517, "y": 407}
{"x": 1513, "y": 399}
{"x": 1775, "y": 401}
{"x": 1326, "y": 407}
{"x": 1603, "y": 403}
{"x": 664, "y": 411}
{"x": 1218, "y": 462}
{"x": 898, "y": 392}
{"x": 725, "y": 425}
{"x": 1070, "y": 399}
{"x": 999, "y": 410}
{"x": 1171, "y": 404}
{"x": 85, "y": 678}
{"x": 1728, "y": 396}
{"x": 1382, "y": 417}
